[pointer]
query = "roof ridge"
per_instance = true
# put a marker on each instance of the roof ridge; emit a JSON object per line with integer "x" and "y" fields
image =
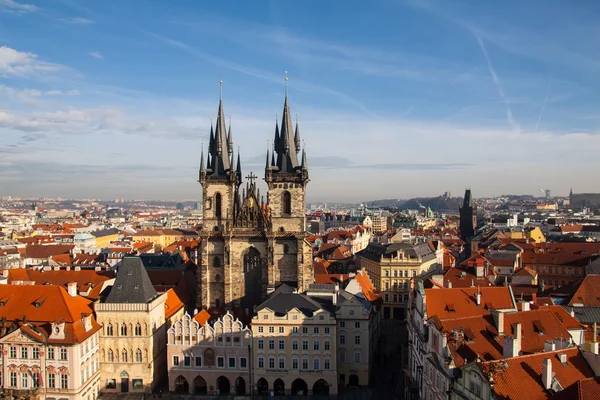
{"x": 542, "y": 353}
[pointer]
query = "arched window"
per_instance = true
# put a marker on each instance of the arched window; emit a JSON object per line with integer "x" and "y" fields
{"x": 286, "y": 203}
{"x": 110, "y": 356}
{"x": 138, "y": 355}
{"x": 218, "y": 205}
{"x": 123, "y": 330}
{"x": 109, "y": 329}
{"x": 216, "y": 262}
{"x": 138, "y": 329}
{"x": 124, "y": 356}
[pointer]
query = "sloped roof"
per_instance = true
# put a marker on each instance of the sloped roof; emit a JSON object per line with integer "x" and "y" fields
{"x": 43, "y": 305}
{"x": 282, "y": 302}
{"x": 173, "y": 303}
{"x": 588, "y": 292}
{"x": 85, "y": 279}
{"x": 45, "y": 251}
{"x": 521, "y": 379}
{"x": 202, "y": 317}
{"x": 460, "y": 302}
{"x": 584, "y": 389}
{"x": 132, "y": 284}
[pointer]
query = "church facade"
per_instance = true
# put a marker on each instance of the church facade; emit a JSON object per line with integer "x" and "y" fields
{"x": 249, "y": 244}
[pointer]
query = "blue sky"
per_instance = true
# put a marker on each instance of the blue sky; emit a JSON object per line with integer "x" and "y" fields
{"x": 113, "y": 99}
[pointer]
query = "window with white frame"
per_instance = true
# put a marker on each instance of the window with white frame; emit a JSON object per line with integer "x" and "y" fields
{"x": 281, "y": 329}
{"x": 357, "y": 357}
{"x": 231, "y": 362}
{"x": 24, "y": 380}
{"x": 24, "y": 352}
{"x": 294, "y": 345}
{"x": 327, "y": 330}
{"x": 51, "y": 381}
{"x": 316, "y": 345}
{"x": 271, "y": 362}
{"x": 64, "y": 381}
{"x": 281, "y": 363}
{"x": 316, "y": 364}
{"x": 261, "y": 362}
{"x": 261, "y": 329}
{"x": 326, "y": 345}
{"x": 305, "y": 363}
{"x": 326, "y": 363}
{"x": 221, "y": 362}
{"x": 261, "y": 344}
{"x": 243, "y": 362}
{"x": 294, "y": 363}
{"x": 13, "y": 379}
{"x": 282, "y": 345}
{"x": 271, "y": 345}
{"x": 271, "y": 329}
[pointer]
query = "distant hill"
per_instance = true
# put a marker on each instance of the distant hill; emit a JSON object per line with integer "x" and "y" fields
{"x": 435, "y": 203}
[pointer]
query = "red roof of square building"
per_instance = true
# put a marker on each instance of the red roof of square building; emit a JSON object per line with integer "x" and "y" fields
{"x": 457, "y": 303}
{"x": 521, "y": 377}
{"x": 588, "y": 292}
{"x": 584, "y": 389}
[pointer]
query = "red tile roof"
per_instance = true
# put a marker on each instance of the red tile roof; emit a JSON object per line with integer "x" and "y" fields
{"x": 525, "y": 271}
{"x": 520, "y": 377}
{"x": 460, "y": 278}
{"x": 86, "y": 278}
{"x": 588, "y": 292}
{"x": 202, "y": 317}
{"x": 366, "y": 286}
{"x": 584, "y": 389}
{"x": 173, "y": 303}
{"x": 43, "y": 305}
{"x": 457, "y": 303}
{"x": 45, "y": 251}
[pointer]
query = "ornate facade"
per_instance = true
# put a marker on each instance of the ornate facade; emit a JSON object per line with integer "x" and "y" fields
{"x": 249, "y": 244}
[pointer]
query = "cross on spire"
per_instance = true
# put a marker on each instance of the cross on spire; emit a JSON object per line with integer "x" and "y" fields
{"x": 251, "y": 178}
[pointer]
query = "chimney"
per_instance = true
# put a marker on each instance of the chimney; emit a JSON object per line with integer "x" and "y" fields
{"x": 196, "y": 311}
{"x": 573, "y": 312}
{"x": 549, "y": 346}
{"x": 499, "y": 320}
{"x": 478, "y": 297}
{"x": 449, "y": 284}
{"x": 525, "y": 306}
{"x": 72, "y": 288}
{"x": 5, "y": 273}
{"x": 547, "y": 373}
{"x": 563, "y": 358}
{"x": 594, "y": 340}
{"x": 512, "y": 344}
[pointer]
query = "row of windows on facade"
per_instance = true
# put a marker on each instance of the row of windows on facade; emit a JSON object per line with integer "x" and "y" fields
{"x": 137, "y": 331}
{"x": 281, "y": 344}
{"x": 400, "y": 273}
{"x": 295, "y": 316}
{"x": 89, "y": 371}
{"x": 125, "y": 356}
{"x": 33, "y": 380}
{"x": 556, "y": 270}
{"x": 395, "y": 298}
{"x": 35, "y": 353}
{"x": 286, "y": 204}
{"x": 397, "y": 286}
{"x": 316, "y": 330}
{"x": 296, "y": 363}
{"x": 219, "y": 339}
{"x": 232, "y": 362}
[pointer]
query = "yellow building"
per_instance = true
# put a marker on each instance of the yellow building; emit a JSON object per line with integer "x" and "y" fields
{"x": 135, "y": 319}
{"x": 534, "y": 234}
{"x": 163, "y": 237}
{"x": 105, "y": 237}
{"x": 393, "y": 267}
{"x": 294, "y": 346}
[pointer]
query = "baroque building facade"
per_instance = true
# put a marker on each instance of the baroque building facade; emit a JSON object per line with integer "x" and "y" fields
{"x": 250, "y": 245}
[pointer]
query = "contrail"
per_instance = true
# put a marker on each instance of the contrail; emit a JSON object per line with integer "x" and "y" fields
{"x": 509, "y": 115}
{"x": 544, "y": 103}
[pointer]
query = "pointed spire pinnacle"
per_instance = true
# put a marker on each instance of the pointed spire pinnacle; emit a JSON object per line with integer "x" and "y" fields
{"x": 267, "y": 166}
{"x": 230, "y": 138}
{"x": 304, "y": 163}
{"x": 238, "y": 168}
{"x": 202, "y": 167}
{"x": 287, "y": 159}
{"x": 221, "y": 89}
{"x": 297, "y": 135}
{"x": 277, "y": 138}
{"x": 286, "y": 85}
{"x": 220, "y": 153}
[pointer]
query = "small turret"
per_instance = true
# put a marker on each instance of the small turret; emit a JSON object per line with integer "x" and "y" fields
{"x": 297, "y": 135}
{"x": 230, "y": 138}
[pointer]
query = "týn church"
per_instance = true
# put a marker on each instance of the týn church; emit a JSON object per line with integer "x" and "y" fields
{"x": 249, "y": 244}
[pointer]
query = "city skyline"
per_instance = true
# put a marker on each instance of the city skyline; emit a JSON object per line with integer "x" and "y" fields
{"x": 407, "y": 100}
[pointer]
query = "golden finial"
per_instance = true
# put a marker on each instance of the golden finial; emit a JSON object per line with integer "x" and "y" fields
{"x": 221, "y": 87}
{"x": 286, "y": 84}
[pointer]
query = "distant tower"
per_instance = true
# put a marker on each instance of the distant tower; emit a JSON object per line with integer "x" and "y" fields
{"x": 468, "y": 217}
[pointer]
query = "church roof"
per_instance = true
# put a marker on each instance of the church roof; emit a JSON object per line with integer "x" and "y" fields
{"x": 132, "y": 284}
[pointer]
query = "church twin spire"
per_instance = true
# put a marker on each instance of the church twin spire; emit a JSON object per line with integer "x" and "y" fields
{"x": 283, "y": 160}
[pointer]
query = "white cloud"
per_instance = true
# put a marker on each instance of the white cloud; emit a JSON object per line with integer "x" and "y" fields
{"x": 12, "y": 6}
{"x": 19, "y": 63}
{"x": 73, "y": 92}
{"x": 78, "y": 21}
{"x": 96, "y": 54}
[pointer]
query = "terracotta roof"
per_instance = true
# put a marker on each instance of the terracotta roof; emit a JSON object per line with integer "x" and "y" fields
{"x": 366, "y": 286}
{"x": 485, "y": 342}
{"x": 584, "y": 389}
{"x": 588, "y": 292}
{"x": 45, "y": 251}
{"x": 173, "y": 303}
{"x": 525, "y": 271}
{"x": 86, "y": 278}
{"x": 202, "y": 317}
{"x": 456, "y": 303}
{"x": 461, "y": 278}
{"x": 43, "y": 305}
{"x": 520, "y": 377}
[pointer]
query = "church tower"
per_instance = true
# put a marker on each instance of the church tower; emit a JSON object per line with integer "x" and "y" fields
{"x": 286, "y": 178}
{"x": 220, "y": 181}
{"x": 468, "y": 218}
{"x": 218, "y": 176}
